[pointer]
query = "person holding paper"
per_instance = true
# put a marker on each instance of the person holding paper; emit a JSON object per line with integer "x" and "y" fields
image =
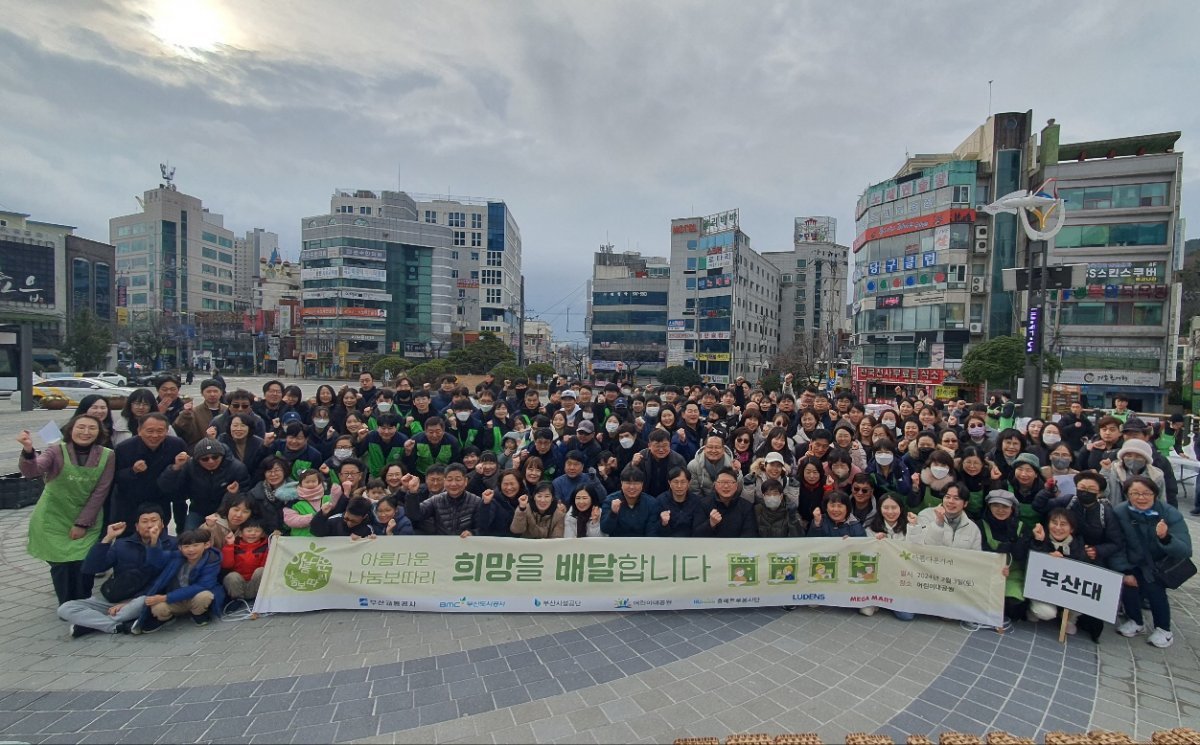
{"x": 1059, "y": 538}
{"x": 66, "y": 522}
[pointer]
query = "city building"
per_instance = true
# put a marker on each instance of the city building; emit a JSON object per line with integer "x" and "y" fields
{"x": 724, "y": 301}
{"x": 249, "y": 254}
{"x": 375, "y": 279}
{"x": 278, "y": 305}
{"x": 1117, "y": 333}
{"x": 34, "y": 289}
{"x": 812, "y": 291}
{"x": 485, "y": 263}
{"x": 626, "y": 319}
{"x": 927, "y": 265}
{"x": 538, "y": 339}
{"x": 91, "y": 279}
{"x": 175, "y": 267}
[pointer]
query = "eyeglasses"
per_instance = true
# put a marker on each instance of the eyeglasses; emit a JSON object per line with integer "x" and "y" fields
{"x": 208, "y": 458}
{"x": 1140, "y": 493}
{"x": 743, "y": 439}
{"x": 344, "y": 474}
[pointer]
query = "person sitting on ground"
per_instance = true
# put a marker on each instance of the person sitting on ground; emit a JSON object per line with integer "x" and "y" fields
{"x": 135, "y": 560}
{"x": 583, "y": 517}
{"x": 947, "y": 524}
{"x": 1059, "y": 539}
{"x": 631, "y": 512}
{"x": 775, "y": 517}
{"x": 893, "y": 521}
{"x": 189, "y": 584}
{"x": 1003, "y": 532}
{"x": 349, "y": 516}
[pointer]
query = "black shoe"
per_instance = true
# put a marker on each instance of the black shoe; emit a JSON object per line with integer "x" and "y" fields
{"x": 1194, "y": 512}
{"x": 78, "y": 630}
{"x": 148, "y": 625}
{"x": 789, "y": 607}
{"x": 200, "y": 620}
{"x": 125, "y": 627}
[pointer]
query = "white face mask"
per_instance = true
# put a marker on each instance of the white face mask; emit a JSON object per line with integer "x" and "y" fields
{"x": 626, "y": 442}
{"x": 485, "y": 408}
{"x": 939, "y": 472}
{"x": 772, "y": 501}
{"x": 462, "y": 416}
{"x": 320, "y": 423}
{"x": 587, "y": 416}
{"x": 383, "y": 408}
{"x": 1051, "y": 439}
{"x": 343, "y": 453}
{"x": 890, "y": 424}
{"x": 651, "y": 411}
{"x": 975, "y": 431}
{"x": 611, "y": 427}
{"x": 884, "y": 459}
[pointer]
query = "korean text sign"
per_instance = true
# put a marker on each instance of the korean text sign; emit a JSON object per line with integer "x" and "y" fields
{"x": 1085, "y": 588}
{"x": 479, "y": 574}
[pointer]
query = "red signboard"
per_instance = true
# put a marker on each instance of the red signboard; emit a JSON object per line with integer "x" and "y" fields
{"x": 687, "y": 227}
{"x": 360, "y": 312}
{"x": 898, "y": 375}
{"x": 914, "y": 224}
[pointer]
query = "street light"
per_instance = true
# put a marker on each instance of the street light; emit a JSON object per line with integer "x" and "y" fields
{"x": 1043, "y": 205}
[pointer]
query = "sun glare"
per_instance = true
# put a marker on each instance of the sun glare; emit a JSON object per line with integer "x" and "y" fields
{"x": 189, "y": 26}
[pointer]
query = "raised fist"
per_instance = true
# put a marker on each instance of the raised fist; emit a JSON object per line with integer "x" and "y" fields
{"x": 1039, "y": 533}
{"x": 939, "y": 512}
{"x": 268, "y": 438}
{"x": 409, "y": 447}
{"x": 487, "y": 495}
{"x": 1160, "y": 529}
{"x": 114, "y": 532}
{"x": 817, "y": 517}
{"x": 714, "y": 518}
{"x": 211, "y": 433}
{"x": 180, "y": 460}
{"x": 25, "y": 440}
{"x": 616, "y": 506}
{"x": 229, "y": 539}
{"x": 410, "y": 482}
{"x": 665, "y": 516}
{"x": 596, "y": 514}
{"x": 139, "y": 466}
{"x": 912, "y": 518}
{"x": 233, "y": 487}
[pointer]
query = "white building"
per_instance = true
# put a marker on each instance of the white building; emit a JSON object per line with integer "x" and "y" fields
{"x": 485, "y": 262}
{"x": 249, "y": 253}
{"x": 539, "y": 342}
{"x": 627, "y": 312}
{"x": 813, "y": 285}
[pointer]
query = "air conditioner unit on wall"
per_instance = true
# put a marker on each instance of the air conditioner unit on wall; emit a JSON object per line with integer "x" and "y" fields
{"x": 978, "y": 284}
{"x": 976, "y": 328}
{"x": 981, "y": 232}
{"x": 981, "y": 246}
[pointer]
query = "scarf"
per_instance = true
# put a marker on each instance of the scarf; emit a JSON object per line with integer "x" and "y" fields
{"x": 1063, "y": 547}
{"x": 311, "y": 494}
{"x": 582, "y": 517}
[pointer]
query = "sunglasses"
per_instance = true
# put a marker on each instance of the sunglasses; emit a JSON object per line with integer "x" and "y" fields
{"x": 208, "y": 458}
{"x": 237, "y": 407}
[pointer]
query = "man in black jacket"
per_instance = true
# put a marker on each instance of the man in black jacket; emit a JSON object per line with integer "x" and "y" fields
{"x": 657, "y": 460}
{"x": 455, "y": 511}
{"x": 203, "y": 480}
{"x": 725, "y": 514}
{"x": 140, "y": 461}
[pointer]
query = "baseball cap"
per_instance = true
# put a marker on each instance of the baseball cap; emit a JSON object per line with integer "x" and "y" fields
{"x": 288, "y": 417}
{"x": 775, "y": 458}
{"x": 586, "y": 426}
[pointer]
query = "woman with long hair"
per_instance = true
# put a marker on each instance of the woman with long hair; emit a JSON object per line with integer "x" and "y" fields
{"x": 95, "y": 405}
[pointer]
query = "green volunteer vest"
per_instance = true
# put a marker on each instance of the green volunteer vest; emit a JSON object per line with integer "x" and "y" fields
{"x": 1014, "y": 585}
{"x": 59, "y": 506}
{"x": 426, "y": 458}
{"x": 377, "y": 461}
{"x": 302, "y": 507}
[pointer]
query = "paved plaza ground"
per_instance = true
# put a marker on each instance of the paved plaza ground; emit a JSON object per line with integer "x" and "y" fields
{"x": 378, "y": 676}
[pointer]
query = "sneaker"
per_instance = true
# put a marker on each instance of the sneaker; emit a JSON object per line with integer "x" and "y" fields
{"x": 200, "y": 620}
{"x": 78, "y": 631}
{"x": 1031, "y": 617}
{"x": 1130, "y": 628}
{"x": 1072, "y": 629}
{"x": 1161, "y": 638}
{"x": 125, "y": 627}
{"x": 867, "y": 610}
{"x": 148, "y": 624}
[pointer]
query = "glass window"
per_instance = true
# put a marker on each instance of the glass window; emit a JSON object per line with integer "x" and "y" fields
{"x": 476, "y": 221}
{"x": 477, "y": 239}
{"x": 431, "y": 217}
{"x": 460, "y": 237}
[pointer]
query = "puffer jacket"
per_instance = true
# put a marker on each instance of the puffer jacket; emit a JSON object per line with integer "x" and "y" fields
{"x": 272, "y": 501}
{"x": 966, "y": 535}
{"x": 781, "y": 522}
{"x": 451, "y": 515}
{"x": 204, "y": 488}
{"x": 529, "y": 523}
{"x": 1117, "y": 475}
{"x": 702, "y": 480}
{"x": 1142, "y": 546}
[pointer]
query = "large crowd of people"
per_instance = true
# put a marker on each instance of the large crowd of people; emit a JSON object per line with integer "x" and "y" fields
{"x": 234, "y": 468}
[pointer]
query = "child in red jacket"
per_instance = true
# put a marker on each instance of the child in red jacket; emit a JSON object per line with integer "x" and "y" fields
{"x": 245, "y": 556}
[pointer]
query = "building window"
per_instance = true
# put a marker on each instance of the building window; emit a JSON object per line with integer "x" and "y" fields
{"x": 491, "y": 277}
{"x": 495, "y": 258}
{"x": 460, "y": 237}
{"x": 476, "y": 239}
{"x": 801, "y": 263}
{"x": 456, "y": 219}
{"x": 364, "y": 210}
{"x": 962, "y": 195}
{"x": 454, "y": 255}
{"x": 474, "y": 274}
{"x": 493, "y": 297}
{"x": 431, "y": 217}
{"x": 462, "y": 294}
{"x": 476, "y": 221}
{"x": 474, "y": 256}
{"x": 453, "y": 274}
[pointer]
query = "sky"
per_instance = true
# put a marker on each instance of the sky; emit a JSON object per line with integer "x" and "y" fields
{"x": 596, "y": 122}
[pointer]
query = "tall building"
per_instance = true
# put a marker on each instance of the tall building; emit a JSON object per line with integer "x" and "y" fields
{"x": 249, "y": 254}
{"x": 1117, "y": 333}
{"x": 485, "y": 263}
{"x": 91, "y": 279}
{"x": 375, "y": 279}
{"x": 812, "y": 290}
{"x": 277, "y": 304}
{"x": 626, "y": 319}
{"x": 927, "y": 265}
{"x": 175, "y": 264}
{"x": 33, "y": 281}
{"x": 724, "y": 300}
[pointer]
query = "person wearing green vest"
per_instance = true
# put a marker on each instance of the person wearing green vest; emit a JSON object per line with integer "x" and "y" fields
{"x": 1172, "y": 439}
{"x": 433, "y": 445}
{"x": 1024, "y": 485}
{"x": 296, "y": 450}
{"x": 993, "y": 412}
{"x": 1122, "y": 411}
{"x": 383, "y": 446}
{"x": 1008, "y": 412}
{"x": 1003, "y": 533}
{"x": 312, "y": 495}
{"x": 66, "y": 523}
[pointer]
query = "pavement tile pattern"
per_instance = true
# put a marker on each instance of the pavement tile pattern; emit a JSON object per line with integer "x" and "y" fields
{"x": 374, "y": 676}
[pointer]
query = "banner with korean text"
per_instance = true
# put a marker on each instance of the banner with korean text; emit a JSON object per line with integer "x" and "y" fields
{"x": 512, "y": 575}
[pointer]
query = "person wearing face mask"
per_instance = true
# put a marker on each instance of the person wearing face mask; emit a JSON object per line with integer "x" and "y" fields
{"x": 462, "y": 422}
{"x": 976, "y": 434}
{"x": 930, "y": 483}
{"x": 1136, "y": 429}
{"x": 1133, "y": 459}
{"x": 1048, "y": 439}
{"x": 776, "y": 518}
{"x": 1059, "y": 470}
{"x": 887, "y": 471}
{"x": 770, "y": 468}
{"x": 1094, "y": 522}
{"x": 627, "y": 444}
{"x": 1025, "y": 483}
{"x": 1004, "y": 533}
{"x": 839, "y": 466}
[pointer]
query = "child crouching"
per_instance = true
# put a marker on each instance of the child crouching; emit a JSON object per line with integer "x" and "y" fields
{"x": 244, "y": 557}
{"x": 187, "y": 585}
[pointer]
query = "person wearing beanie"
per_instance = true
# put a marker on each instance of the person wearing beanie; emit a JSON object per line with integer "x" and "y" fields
{"x": 193, "y": 421}
{"x": 202, "y": 480}
{"x": 1135, "y": 458}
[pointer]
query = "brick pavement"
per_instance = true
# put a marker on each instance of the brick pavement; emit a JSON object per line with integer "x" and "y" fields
{"x": 374, "y": 676}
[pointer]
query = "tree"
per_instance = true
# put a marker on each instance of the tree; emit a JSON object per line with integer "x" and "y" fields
{"x": 146, "y": 336}
{"x": 996, "y": 362}
{"x": 88, "y": 342}
{"x": 428, "y": 372}
{"x": 507, "y": 371}
{"x": 481, "y": 356}
{"x": 802, "y": 358}
{"x": 679, "y": 375}
{"x": 380, "y": 364}
{"x": 533, "y": 370}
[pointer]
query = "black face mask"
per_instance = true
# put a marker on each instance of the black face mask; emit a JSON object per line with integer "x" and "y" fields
{"x": 924, "y": 453}
{"x": 404, "y": 396}
{"x": 1087, "y": 498}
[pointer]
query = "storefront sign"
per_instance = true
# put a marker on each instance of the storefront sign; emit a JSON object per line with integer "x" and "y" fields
{"x": 357, "y": 312}
{"x": 715, "y": 261}
{"x": 1110, "y": 377}
{"x": 815, "y": 230}
{"x": 708, "y": 283}
{"x": 490, "y": 575}
{"x": 687, "y": 227}
{"x": 26, "y": 273}
{"x": 1033, "y": 330}
{"x": 1117, "y": 292}
{"x": 1127, "y": 273}
{"x": 677, "y": 324}
{"x": 680, "y": 335}
{"x": 714, "y": 335}
{"x": 898, "y": 375}
{"x": 946, "y": 392}
{"x": 915, "y": 224}
{"x": 888, "y": 301}
{"x": 712, "y": 356}
{"x": 468, "y": 284}
{"x": 719, "y": 222}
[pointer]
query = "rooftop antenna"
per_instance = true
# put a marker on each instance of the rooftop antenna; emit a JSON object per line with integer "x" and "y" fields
{"x": 989, "y": 111}
{"x": 168, "y": 174}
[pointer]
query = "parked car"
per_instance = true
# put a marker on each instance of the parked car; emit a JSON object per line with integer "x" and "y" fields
{"x": 74, "y": 389}
{"x": 112, "y": 377}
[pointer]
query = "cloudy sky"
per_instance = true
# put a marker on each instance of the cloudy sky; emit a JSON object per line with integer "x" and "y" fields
{"x": 596, "y": 122}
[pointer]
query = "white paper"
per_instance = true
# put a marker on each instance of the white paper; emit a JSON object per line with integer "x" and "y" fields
{"x": 50, "y": 433}
{"x": 1066, "y": 485}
